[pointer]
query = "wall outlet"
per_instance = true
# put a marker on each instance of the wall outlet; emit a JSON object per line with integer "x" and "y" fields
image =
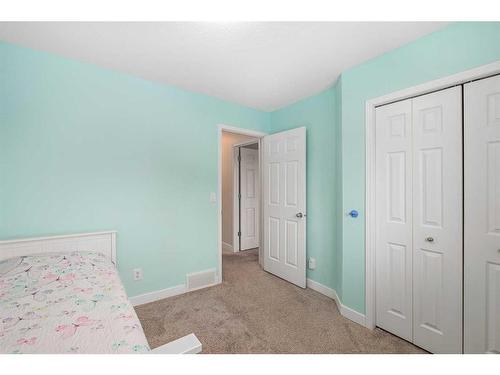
{"x": 312, "y": 263}
{"x": 137, "y": 274}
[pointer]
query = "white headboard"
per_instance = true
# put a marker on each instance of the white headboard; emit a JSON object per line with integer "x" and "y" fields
{"x": 103, "y": 242}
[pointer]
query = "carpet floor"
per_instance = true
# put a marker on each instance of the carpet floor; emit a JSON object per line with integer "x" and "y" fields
{"x": 253, "y": 311}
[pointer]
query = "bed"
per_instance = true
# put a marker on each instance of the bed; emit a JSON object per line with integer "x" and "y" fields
{"x": 63, "y": 294}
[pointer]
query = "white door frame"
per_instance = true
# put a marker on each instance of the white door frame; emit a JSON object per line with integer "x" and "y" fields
{"x": 236, "y": 186}
{"x": 231, "y": 129}
{"x": 370, "y": 199}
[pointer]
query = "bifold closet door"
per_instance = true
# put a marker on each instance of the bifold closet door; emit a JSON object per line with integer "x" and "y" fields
{"x": 437, "y": 221}
{"x": 419, "y": 220}
{"x": 482, "y": 216}
{"x": 394, "y": 308}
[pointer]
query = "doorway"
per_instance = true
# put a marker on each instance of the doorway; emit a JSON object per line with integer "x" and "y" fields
{"x": 277, "y": 218}
{"x": 239, "y": 191}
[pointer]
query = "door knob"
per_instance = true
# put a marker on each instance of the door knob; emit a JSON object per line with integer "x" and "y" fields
{"x": 353, "y": 213}
{"x": 299, "y": 215}
{"x": 429, "y": 239}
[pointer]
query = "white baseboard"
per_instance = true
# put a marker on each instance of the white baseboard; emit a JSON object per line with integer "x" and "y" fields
{"x": 226, "y": 247}
{"x": 323, "y": 289}
{"x": 345, "y": 311}
{"x": 157, "y": 295}
{"x": 353, "y": 315}
{"x": 141, "y": 299}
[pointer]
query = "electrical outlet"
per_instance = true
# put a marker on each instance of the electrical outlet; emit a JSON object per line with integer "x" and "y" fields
{"x": 137, "y": 274}
{"x": 213, "y": 197}
{"x": 312, "y": 263}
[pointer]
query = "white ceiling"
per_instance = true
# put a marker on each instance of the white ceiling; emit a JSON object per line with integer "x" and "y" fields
{"x": 263, "y": 65}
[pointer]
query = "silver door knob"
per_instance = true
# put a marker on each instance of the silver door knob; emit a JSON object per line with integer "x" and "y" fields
{"x": 429, "y": 239}
{"x": 299, "y": 215}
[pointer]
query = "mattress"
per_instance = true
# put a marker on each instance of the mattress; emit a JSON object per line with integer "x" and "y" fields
{"x": 66, "y": 303}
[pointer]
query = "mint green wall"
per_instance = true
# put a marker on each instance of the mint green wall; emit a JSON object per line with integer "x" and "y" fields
{"x": 456, "y": 48}
{"x": 339, "y": 215}
{"x": 317, "y": 114}
{"x": 83, "y": 149}
{"x": 87, "y": 149}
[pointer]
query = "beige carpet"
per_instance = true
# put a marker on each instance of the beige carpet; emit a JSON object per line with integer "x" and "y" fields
{"x": 253, "y": 311}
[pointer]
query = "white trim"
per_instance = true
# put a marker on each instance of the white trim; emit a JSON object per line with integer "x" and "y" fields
{"x": 247, "y": 143}
{"x": 113, "y": 247}
{"x": 32, "y": 239}
{"x": 353, "y": 315}
{"x": 157, "y": 295}
{"x": 188, "y": 344}
{"x": 230, "y": 129}
{"x": 438, "y": 84}
{"x": 370, "y": 197}
{"x": 227, "y": 247}
{"x": 370, "y": 214}
{"x": 345, "y": 311}
{"x": 236, "y": 211}
{"x": 236, "y": 130}
{"x": 261, "y": 202}
{"x": 323, "y": 289}
{"x": 104, "y": 242}
{"x": 203, "y": 286}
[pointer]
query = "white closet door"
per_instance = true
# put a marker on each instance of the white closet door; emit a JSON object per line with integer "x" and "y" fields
{"x": 482, "y": 216}
{"x": 394, "y": 218}
{"x": 437, "y": 221}
{"x": 284, "y": 176}
{"x": 249, "y": 189}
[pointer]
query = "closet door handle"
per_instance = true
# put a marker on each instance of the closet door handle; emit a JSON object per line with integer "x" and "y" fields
{"x": 429, "y": 239}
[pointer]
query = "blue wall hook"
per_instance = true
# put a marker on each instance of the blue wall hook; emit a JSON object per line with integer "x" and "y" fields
{"x": 353, "y": 213}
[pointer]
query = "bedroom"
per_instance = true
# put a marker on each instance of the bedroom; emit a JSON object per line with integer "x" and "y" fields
{"x": 112, "y": 196}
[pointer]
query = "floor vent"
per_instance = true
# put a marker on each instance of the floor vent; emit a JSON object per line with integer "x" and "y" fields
{"x": 201, "y": 279}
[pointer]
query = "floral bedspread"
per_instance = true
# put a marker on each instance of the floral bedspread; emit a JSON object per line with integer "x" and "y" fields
{"x": 66, "y": 303}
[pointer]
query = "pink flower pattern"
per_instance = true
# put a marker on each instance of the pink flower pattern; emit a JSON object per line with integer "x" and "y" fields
{"x": 66, "y": 303}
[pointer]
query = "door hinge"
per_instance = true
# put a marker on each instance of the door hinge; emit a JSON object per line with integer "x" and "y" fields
{"x": 239, "y": 234}
{"x": 239, "y": 196}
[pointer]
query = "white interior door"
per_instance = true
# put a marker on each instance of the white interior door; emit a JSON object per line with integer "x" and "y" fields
{"x": 482, "y": 216}
{"x": 437, "y": 221}
{"x": 284, "y": 190}
{"x": 394, "y": 311}
{"x": 249, "y": 190}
